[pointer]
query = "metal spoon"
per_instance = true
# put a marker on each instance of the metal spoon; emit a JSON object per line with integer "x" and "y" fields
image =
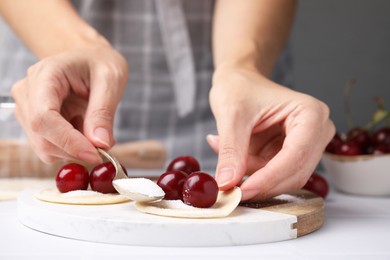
{"x": 120, "y": 174}
{"x": 7, "y": 102}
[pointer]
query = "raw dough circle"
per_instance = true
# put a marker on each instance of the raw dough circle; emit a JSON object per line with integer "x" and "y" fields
{"x": 53, "y": 195}
{"x": 11, "y": 187}
{"x": 226, "y": 203}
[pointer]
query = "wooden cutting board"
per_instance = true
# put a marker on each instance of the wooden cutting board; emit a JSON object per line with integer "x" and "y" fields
{"x": 285, "y": 217}
{"x": 309, "y": 212}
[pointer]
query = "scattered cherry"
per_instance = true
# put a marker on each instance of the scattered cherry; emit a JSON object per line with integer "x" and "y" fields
{"x": 101, "y": 178}
{"x": 318, "y": 185}
{"x": 186, "y": 164}
{"x": 172, "y": 184}
{"x": 72, "y": 177}
{"x": 200, "y": 190}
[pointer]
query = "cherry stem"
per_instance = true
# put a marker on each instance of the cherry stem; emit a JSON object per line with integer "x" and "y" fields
{"x": 380, "y": 115}
{"x": 347, "y": 108}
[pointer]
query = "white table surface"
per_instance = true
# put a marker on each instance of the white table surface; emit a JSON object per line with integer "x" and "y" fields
{"x": 355, "y": 228}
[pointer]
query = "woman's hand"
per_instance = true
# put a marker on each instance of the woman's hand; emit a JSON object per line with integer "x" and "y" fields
{"x": 272, "y": 133}
{"x": 66, "y": 102}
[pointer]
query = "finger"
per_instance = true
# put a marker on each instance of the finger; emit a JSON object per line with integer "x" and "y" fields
{"x": 47, "y": 152}
{"x": 254, "y": 162}
{"x": 293, "y": 182}
{"x": 44, "y": 119}
{"x": 106, "y": 91}
{"x": 234, "y": 134}
{"x": 61, "y": 133}
{"x": 292, "y": 166}
{"x": 213, "y": 141}
{"x": 20, "y": 97}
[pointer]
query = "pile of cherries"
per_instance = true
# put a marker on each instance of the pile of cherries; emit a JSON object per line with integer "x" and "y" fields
{"x": 184, "y": 181}
{"x": 359, "y": 141}
{"x": 74, "y": 176}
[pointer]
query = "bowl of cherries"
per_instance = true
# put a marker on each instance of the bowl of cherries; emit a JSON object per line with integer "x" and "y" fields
{"x": 358, "y": 161}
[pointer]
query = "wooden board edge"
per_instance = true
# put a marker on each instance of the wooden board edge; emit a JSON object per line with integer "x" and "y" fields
{"x": 308, "y": 208}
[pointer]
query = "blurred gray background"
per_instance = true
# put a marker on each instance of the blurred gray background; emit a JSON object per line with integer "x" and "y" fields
{"x": 334, "y": 41}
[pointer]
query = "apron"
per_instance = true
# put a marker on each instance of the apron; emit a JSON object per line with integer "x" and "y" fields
{"x": 168, "y": 47}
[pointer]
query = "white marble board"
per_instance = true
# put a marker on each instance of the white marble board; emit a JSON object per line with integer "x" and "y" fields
{"x": 123, "y": 224}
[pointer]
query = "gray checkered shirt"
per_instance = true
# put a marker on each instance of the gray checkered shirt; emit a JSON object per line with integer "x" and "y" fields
{"x": 157, "y": 103}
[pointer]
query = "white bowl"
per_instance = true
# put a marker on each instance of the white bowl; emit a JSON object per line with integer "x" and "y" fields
{"x": 360, "y": 175}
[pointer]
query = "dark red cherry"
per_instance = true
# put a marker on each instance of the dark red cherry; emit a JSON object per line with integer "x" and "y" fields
{"x": 318, "y": 185}
{"x": 71, "y": 177}
{"x": 186, "y": 164}
{"x": 200, "y": 190}
{"x": 379, "y": 149}
{"x": 102, "y": 176}
{"x": 359, "y": 135}
{"x": 334, "y": 143}
{"x": 349, "y": 148}
{"x": 381, "y": 136}
{"x": 172, "y": 184}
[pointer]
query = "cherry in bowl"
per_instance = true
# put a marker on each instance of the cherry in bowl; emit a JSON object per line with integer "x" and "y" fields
{"x": 360, "y": 136}
{"x": 200, "y": 190}
{"x": 72, "y": 177}
{"x": 379, "y": 149}
{"x": 381, "y": 136}
{"x": 334, "y": 143}
{"x": 349, "y": 148}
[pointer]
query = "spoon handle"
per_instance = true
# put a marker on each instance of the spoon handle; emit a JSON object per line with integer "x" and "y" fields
{"x": 120, "y": 174}
{"x": 7, "y": 102}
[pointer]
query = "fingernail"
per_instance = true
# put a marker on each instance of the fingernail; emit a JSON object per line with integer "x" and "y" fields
{"x": 101, "y": 134}
{"x": 212, "y": 138}
{"x": 248, "y": 194}
{"x": 90, "y": 157}
{"x": 225, "y": 176}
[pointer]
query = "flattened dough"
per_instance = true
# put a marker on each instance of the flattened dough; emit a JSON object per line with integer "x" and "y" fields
{"x": 226, "y": 203}
{"x": 11, "y": 187}
{"x": 53, "y": 195}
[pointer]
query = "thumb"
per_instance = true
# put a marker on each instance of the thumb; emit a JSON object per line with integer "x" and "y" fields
{"x": 233, "y": 143}
{"x": 99, "y": 119}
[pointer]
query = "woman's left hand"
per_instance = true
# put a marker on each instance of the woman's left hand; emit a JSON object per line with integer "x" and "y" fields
{"x": 272, "y": 133}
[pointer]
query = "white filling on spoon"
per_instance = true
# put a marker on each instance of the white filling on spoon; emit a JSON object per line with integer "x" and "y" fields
{"x": 141, "y": 186}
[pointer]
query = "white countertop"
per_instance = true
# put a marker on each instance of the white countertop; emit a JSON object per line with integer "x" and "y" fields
{"x": 355, "y": 228}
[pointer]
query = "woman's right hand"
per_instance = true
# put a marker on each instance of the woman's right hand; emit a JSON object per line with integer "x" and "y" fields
{"x": 66, "y": 102}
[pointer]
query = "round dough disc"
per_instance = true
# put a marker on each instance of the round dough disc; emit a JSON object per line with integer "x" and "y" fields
{"x": 226, "y": 203}
{"x": 11, "y": 187}
{"x": 92, "y": 198}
